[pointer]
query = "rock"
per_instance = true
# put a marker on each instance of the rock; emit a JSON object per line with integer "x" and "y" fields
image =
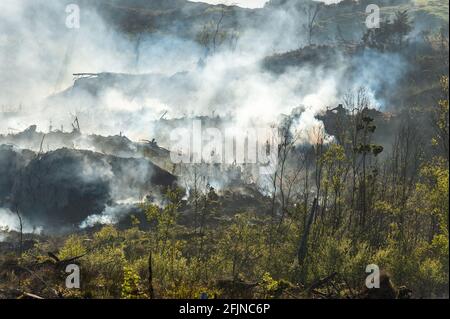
{"x": 12, "y": 161}
{"x": 61, "y": 188}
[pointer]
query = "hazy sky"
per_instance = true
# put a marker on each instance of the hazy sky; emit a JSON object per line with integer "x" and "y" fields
{"x": 241, "y": 3}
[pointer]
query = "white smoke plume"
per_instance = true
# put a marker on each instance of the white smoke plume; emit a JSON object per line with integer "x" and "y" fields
{"x": 232, "y": 81}
{"x": 9, "y": 221}
{"x": 162, "y": 75}
{"x": 111, "y": 215}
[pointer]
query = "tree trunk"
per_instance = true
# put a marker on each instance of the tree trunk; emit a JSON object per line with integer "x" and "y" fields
{"x": 303, "y": 247}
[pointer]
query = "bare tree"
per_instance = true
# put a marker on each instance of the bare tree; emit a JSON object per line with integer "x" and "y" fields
{"x": 311, "y": 11}
{"x": 212, "y": 36}
{"x": 20, "y": 230}
{"x": 303, "y": 245}
{"x": 218, "y": 25}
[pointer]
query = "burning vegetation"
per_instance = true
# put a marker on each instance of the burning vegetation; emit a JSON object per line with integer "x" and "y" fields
{"x": 360, "y": 175}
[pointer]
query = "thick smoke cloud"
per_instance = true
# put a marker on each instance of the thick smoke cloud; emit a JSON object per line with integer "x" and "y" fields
{"x": 40, "y": 54}
{"x": 9, "y": 221}
{"x": 162, "y": 73}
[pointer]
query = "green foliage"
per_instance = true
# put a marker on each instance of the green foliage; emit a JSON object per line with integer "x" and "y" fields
{"x": 131, "y": 286}
{"x": 254, "y": 254}
{"x": 269, "y": 286}
{"x": 240, "y": 247}
{"x": 73, "y": 247}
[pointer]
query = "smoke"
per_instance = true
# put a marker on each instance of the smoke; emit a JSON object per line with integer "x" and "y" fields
{"x": 40, "y": 54}
{"x": 252, "y": 3}
{"x": 369, "y": 67}
{"x": 140, "y": 77}
{"x": 9, "y": 221}
{"x": 240, "y": 3}
{"x": 167, "y": 73}
{"x": 111, "y": 215}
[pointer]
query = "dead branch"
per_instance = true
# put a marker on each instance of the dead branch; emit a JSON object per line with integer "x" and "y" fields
{"x": 322, "y": 281}
{"x": 21, "y": 231}
{"x": 33, "y": 296}
{"x": 57, "y": 294}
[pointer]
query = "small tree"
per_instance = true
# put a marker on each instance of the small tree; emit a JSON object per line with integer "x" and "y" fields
{"x": 312, "y": 12}
{"x": 391, "y": 35}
